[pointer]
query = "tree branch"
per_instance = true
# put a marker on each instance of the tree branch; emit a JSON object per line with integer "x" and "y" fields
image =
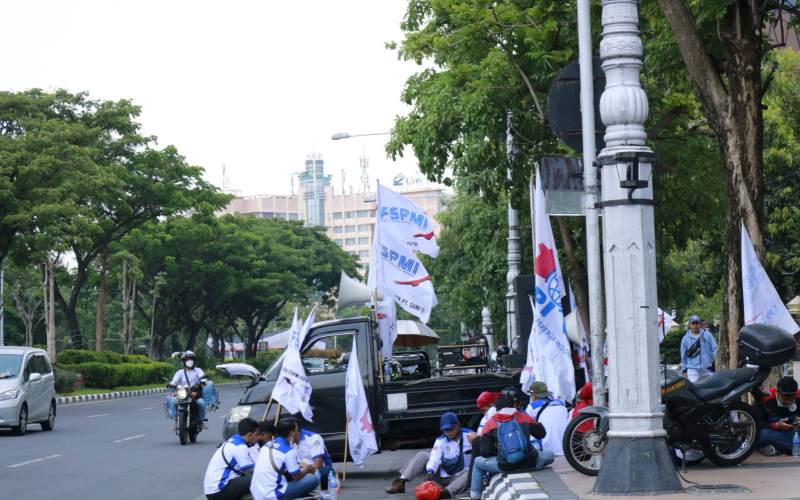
{"x": 666, "y": 121}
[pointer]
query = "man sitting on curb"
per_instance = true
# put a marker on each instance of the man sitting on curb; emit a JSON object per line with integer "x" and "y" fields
{"x": 446, "y": 464}
{"x": 226, "y": 473}
{"x": 781, "y": 418}
{"x": 505, "y": 445}
{"x": 278, "y": 463}
{"x": 551, "y": 413}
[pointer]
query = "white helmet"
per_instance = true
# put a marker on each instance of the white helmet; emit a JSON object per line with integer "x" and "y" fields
{"x": 187, "y": 355}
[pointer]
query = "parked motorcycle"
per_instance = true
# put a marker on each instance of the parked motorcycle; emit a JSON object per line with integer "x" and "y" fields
{"x": 707, "y": 415}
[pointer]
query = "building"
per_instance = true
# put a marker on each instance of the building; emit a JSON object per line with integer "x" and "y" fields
{"x": 348, "y": 218}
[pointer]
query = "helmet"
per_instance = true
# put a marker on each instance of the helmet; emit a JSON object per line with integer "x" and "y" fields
{"x": 187, "y": 355}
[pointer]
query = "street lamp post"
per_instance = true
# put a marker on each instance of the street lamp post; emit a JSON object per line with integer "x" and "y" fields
{"x": 514, "y": 255}
{"x": 636, "y": 459}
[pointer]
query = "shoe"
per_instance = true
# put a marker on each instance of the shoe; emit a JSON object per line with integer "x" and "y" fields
{"x": 397, "y": 486}
{"x": 768, "y": 451}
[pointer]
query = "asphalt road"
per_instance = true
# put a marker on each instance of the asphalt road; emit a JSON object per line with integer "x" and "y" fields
{"x": 121, "y": 449}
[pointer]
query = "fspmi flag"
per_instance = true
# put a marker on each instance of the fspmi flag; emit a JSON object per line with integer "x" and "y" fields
{"x": 406, "y": 220}
{"x": 292, "y": 389}
{"x": 360, "y": 432}
{"x": 762, "y": 304}
{"x": 387, "y": 324}
{"x": 549, "y": 332}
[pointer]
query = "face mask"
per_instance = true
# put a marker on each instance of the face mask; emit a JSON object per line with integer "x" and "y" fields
{"x": 189, "y": 363}
{"x": 781, "y": 405}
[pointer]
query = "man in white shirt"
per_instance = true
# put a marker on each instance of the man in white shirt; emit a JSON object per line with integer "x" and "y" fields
{"x": 551, "y": 413}
{"x": 278, "y": 473}
{"x": 485, "y": 403}
{"x": 266, "y": 433}
{"x": 311, "y": 449}
{"x": 447, "y": 463}
{"x": 189, "y": 376}
{"x": 225, "y": 477}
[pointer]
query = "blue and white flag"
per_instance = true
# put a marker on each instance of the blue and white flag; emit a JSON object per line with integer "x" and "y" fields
{"x": 549, "y": 332}
{"x": 762, "y": 304}
{"x": 293, "y": 389}
{"x": 406, "y": 220}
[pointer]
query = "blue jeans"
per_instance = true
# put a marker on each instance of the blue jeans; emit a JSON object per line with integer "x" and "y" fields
{"x": 488, "y": 466}
{"x": 781, "y": 440}
{"x": 171, "y": 404}
{"x": 301, "y": 487}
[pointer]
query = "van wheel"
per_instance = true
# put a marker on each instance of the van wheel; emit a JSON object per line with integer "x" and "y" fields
{"x": 22, "y": 428}
{"x": 48, "y": 424}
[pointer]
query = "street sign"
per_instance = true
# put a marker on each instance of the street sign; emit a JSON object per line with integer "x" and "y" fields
{"x": 564, "y": 105}
{"x": 562, "y": 179}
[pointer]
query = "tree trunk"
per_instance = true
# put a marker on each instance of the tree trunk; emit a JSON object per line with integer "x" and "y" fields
{"x": 49, "y": 305}
{"x": 128, "y": 300}
{"x": 577, "y": 273}
{"x": 102, "y": 300}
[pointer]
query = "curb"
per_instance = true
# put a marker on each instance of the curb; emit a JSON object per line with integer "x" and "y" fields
{"x": 67, "y": 400}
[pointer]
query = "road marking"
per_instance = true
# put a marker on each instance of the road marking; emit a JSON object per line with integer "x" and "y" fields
{"x": 100, "y": 415}
{"x": 145, "y": 409}
{"x": 33, "y": 461}
{"x": 129, "y": 438}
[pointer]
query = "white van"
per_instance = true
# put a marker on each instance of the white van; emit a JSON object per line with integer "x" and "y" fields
{"x": 27, "y": 389}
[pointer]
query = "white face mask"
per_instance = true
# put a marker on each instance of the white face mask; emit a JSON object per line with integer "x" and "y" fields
{"x": 189, "y": 363}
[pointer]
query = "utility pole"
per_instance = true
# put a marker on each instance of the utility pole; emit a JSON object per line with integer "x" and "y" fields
{"x": 514, "y": 256}
{"x": 636, "y": 458}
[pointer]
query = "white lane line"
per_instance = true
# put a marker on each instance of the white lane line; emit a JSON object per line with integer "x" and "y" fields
{"x": 129, "y": 438}
{"x": 100, "y": 415}
{"x": 33, "y": 461}
{"x": 145, "y": 409}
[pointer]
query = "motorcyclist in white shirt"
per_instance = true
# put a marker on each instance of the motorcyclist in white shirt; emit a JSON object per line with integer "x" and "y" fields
{"x": 189, "y": 375}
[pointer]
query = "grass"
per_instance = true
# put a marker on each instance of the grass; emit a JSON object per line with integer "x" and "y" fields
{"x": 92, "y": 390}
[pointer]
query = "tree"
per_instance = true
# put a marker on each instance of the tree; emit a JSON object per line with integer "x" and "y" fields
{"x": 25, "y": 290}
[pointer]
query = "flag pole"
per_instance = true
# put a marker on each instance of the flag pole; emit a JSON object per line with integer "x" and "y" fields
{"x": 277, "y": 414}
{"x": 344, "y": 464}
{"x": 269, "y": 405}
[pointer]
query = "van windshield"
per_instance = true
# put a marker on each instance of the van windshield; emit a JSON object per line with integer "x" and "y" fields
{"x": 9, "y": 365}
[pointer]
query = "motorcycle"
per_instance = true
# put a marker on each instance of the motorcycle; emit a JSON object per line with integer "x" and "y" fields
{"x": 707, "y": 415}
{"x": 187, "y": 419}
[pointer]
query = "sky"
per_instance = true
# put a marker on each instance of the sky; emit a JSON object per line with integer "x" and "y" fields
{"x": 254, "y": 85}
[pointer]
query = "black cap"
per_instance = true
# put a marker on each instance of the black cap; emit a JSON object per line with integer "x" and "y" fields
{"x": 787, "y": 385}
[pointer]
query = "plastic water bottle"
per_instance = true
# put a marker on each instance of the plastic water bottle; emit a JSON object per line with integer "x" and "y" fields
{"x": 796, "y": 444}
{"x": 333, "y": 486}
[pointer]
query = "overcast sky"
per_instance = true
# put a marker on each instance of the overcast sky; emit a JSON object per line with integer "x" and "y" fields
{"x": 256, "y": 85}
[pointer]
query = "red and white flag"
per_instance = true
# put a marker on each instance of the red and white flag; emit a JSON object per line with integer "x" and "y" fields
{"x": 406, "y": 220}
{"x": 360, "y": 432}
{"x": 664, "y": 322}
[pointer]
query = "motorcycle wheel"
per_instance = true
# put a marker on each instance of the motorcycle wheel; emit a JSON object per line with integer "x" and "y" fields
{"x": 584, "y": 450}
{"x": 746, "y": 422}
{"x": 193, "y": 432}
{"x": 183, "y": 430}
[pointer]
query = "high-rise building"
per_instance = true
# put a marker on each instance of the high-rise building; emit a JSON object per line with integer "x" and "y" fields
{"x": 313, "y": 184}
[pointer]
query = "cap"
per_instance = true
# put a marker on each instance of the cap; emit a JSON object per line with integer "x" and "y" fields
{"x": 503, "y": 401}
{"x": 694, "y": 318}
{"x": 787, "y": 386}
{"x": 515, "y": 392}
{"x": 486, "y": 398}
{"x": 539, "y": 389}
{"x": 448, "y": 421}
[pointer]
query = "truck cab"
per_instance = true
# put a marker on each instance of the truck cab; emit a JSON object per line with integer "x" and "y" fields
{"x": 404, "y": 411}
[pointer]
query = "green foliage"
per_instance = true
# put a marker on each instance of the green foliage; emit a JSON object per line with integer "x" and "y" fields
{"x": 671, "y": 348}
{"x": 264, "y": 359}
{"x": 65, "y": 380}
{"x": 109, "y": 376}
{"x": 79, "y": 356}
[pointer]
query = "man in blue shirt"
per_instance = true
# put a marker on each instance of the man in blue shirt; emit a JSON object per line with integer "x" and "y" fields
{"x": 226, "y": 477}
{"x": 698, "y": 349}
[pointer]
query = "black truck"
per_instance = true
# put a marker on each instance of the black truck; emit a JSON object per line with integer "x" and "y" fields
{"x": 405, "y": 411}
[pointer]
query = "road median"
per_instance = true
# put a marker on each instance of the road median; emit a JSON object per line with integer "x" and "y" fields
{"x": 84, "y": 398}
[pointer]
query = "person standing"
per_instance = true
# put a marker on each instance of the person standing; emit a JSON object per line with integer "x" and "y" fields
{"x": 698, "y": 349}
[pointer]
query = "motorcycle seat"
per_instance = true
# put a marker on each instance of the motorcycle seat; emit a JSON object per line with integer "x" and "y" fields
{"x": 721, "y": 383}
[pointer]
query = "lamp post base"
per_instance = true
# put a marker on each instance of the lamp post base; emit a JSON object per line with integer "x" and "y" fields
{"x": 636, "y": 466}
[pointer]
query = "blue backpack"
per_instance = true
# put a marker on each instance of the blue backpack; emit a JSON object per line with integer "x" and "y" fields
{"x": 512, "y": 443}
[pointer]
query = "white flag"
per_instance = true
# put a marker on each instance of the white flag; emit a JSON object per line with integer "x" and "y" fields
{"x": 292, "y": 389}
{"x": 664, "y": 322}
{"x": 360, "y": 433}
{"x": 398, "y": 272}
{"x": 387, "y": 324}
{"x": 406, "y": 220}
{"x": 554, "y": 366}
{"x": 762, "y": 304}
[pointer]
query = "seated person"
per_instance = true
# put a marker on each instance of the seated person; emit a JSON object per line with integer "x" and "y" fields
{"x": 485, "y": 404}
{"x": 781, "y": 418}
{"x": 278, "y": 473}
{"x": 551, "y": 413}
{"x": 311, "y": 450}
{"x": 514, "y": 452}
{"x": 266, "y": 433}
{"x": 189, "y": 376}
{"x": 447, "y": 463}
{"x": 225, "y": 477}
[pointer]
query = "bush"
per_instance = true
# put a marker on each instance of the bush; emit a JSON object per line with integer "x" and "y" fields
{"x": 109, "y": 376}
{"x": 78, "y": 356}
{"x": 264, "y": 359}
{"x": 323, "y": 353}
{"x": 65, "y": 381}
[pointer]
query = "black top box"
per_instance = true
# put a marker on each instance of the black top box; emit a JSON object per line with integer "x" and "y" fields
{"x": 765, "y": 345}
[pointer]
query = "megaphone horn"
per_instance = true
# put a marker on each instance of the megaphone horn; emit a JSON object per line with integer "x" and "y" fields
{"x": 353, "y": 292}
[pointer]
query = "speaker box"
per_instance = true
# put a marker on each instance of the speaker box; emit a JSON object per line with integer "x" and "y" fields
{"x": 524, "y": 285}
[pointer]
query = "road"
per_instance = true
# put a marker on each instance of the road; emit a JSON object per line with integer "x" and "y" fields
{"x": 121, "y": 449}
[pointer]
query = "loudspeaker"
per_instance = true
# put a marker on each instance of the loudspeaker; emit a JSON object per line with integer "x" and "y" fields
{"x": 353, "y": 292}
{"x": 524, "y": 285}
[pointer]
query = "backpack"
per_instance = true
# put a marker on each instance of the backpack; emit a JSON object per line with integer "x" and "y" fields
{"x": 512, "y": 443}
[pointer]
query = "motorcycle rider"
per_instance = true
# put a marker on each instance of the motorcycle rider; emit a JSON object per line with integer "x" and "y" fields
{"x": 189, "y": 375}
{"x": 781, "y": 418}
{"x": 698, "y": 349}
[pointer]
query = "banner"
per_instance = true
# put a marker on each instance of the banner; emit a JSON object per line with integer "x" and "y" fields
{"x": 360, "y": 432}
{"x": 762, "y": 304}
{"x": 406, "y": 220}
{"x": 554, "y": 366}
{"x": 664, "y": 322}
{"x": 292, "y": 389}
{"x": 387, "y": 324}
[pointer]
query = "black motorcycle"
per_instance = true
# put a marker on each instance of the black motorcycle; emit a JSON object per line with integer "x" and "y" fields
{"x": 187, "y": 420}
{"x": 707, "y": 415}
